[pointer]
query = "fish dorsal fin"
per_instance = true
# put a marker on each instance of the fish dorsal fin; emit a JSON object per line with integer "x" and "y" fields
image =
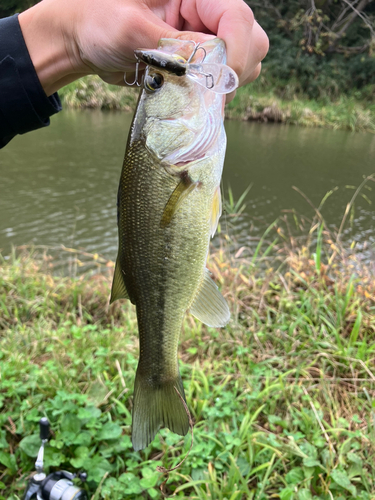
{"x": 182, "y": 190}
{"x": 209, "y": 306}
{"x": 118, "y": 290}
{"x": 216, "y": 211}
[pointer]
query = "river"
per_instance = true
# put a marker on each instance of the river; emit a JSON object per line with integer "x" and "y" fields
{"x": 59, "y": 185}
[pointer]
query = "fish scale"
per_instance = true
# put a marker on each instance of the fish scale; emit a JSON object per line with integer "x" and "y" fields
{"x": 161, "y": 263}
{"x": 153, "y": 264}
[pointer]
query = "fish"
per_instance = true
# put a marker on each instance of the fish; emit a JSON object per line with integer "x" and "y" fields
{"x": 169, "y": 204}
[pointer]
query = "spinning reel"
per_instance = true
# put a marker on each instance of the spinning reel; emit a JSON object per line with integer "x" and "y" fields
{"x": 59, "y": 484}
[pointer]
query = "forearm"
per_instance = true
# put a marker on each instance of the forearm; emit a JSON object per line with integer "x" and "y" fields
{"x": 44, "y": 31}
{"x": 24, "y": 105}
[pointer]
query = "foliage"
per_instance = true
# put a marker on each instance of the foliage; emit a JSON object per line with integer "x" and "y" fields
{"x": 323, "y": 48}
{"x": 283, "y": 398}
{"x": 9, "y": 7}
{"x": 234, "y": 208}
{"x": 354, "y": 111}
{"x": 92, "y": 92}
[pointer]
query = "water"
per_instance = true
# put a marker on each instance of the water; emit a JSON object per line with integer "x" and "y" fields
{"x": 59, "y": 185}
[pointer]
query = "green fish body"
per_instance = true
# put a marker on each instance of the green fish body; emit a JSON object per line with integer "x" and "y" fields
{"x": 168, "y": 207}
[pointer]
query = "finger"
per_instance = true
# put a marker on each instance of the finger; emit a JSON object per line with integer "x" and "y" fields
{"x": 154, "y": 28}
{"x": 233, "y": 21}
{"x": 191, "y": 20}
{"x": 258, "y": 48}
{"x": 254, "y": 75}
{"x": 230, "y": 97}
{"x": 244, "y": 52}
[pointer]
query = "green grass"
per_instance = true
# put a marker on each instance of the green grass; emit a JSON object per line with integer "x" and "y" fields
{"x": 265, "y": 102}
{"x": 92, "y": 92}
{"x": 283, "y": 398}
{"x": 260, "y": 101}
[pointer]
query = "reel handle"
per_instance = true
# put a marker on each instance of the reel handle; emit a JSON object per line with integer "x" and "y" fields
{"x": 44, "y": 427}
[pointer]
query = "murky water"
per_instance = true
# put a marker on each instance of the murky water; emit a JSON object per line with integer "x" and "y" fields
{"x": 58, "y": 185}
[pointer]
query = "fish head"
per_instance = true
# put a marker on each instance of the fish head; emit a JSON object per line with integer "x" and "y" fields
{"x": 179, "y": 119}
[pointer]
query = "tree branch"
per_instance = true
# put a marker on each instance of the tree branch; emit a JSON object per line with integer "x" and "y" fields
{"x": 265, "y": 5}
{"x": 353, "y": 50}
{"x": 341, "y": 17}
{"x": 356, "y": 12}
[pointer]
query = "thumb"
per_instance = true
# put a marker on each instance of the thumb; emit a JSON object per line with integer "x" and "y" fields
{"x": 156, "y": 28}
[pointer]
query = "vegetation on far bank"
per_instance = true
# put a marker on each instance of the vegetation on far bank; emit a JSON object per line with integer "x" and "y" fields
{"x": 258, "y": 101}
{"x": 283, "y": 398}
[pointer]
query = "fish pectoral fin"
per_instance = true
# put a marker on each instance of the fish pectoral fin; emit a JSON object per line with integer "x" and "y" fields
{"x": 216, "y": 211}
{"x": 209, "y": 306}
{"x": 182, "y": 190}
{"x": 118, "y": 290}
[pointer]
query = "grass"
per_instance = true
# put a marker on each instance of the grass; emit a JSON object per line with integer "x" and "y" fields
{"x": 264, "y": 102}
{"x": 283, "y": 397}
{"x": 260, "y": 101}
{"x": 92, "y": 92}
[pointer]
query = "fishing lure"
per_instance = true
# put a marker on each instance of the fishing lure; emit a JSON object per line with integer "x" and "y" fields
{"x": 218, "y": 78}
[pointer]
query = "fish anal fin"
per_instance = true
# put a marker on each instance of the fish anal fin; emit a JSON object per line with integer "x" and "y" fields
{"x": 180, "y": 193}
{"x": 118, "y": 290}
{"x": 155, "y": 408}
{"x": 209, "y": 306}
{"x": 216, "y": 211}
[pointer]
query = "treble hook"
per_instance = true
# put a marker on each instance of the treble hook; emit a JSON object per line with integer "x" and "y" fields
{"x": 197, "y": 47}
{"x": 136, "y": 82}
{"x": 210, "y": 82}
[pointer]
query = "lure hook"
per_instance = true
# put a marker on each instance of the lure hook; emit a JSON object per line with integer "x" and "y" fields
{"x": 197, "y": 47}
{"x": 136, "y": 81}
{"x": 210, "y": 82}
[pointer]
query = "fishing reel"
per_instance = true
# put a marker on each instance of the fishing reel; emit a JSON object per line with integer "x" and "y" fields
{"x": 57, "y": 485}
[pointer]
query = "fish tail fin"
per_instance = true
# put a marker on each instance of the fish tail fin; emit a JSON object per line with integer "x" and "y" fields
{"x": 157, "y": 407}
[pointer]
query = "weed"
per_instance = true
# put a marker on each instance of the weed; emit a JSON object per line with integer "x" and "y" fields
{"x": 235, "y": 208}
{"x": 283, "y": 397}
{"x": 278, "y": 396}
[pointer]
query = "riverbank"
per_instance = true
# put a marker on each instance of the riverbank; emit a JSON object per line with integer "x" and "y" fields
{"x": 283, "y": 397}
{"x": 257, "y": 101}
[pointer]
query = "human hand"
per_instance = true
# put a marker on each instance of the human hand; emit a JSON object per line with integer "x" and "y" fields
{"x": 94, "y": 36}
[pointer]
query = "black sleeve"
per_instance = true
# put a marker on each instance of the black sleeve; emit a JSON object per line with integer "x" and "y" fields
{"x": 24, "y": 105}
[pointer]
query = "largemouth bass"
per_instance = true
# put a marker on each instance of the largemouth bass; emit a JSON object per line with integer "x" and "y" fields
{"x": 169, "y": 205}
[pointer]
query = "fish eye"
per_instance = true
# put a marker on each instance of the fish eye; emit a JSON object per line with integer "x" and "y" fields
{"x": 153, "y": 82}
